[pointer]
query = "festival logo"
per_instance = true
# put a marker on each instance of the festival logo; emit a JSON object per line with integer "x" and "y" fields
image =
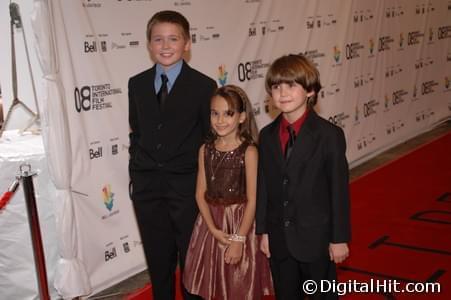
{"x": 427, "y": 87}
{"x": 386, "y": 101}
{"x": 337, "y": 54}
{"x": 398, "y": 96}
{"x": 353, "y": 50}
{"x": 356, "y": 115}
{"x": 94, "y": 97}
{"x": 401, "y": 40}
{"x": 369, "y": 108}
{"x": 222, "y": 75}
{"x": 371, "y": 46}
{"x": 447, "y": 84}
{"x": 108, "y": 197}
{"x": 444, "y": 32}
{"x": 385, "y": 43}
{"x": 252, "y": 70}
{"x": 415, "y": 92}
{"x": 414, "y": 37}
{"x": 314, "y": 55}
{"x": 339, "y": 119}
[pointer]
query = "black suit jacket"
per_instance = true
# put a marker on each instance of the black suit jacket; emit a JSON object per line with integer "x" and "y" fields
{"x": 303, "y": 204}
{"x": 164, "y": 144}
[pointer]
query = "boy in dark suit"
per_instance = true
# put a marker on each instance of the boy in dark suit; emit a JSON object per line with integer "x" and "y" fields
{"x": 169, "y": 113}
{"x": 302, "y": 194}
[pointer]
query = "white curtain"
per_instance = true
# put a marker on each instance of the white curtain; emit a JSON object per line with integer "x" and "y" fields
{"x": 71, "y": 279}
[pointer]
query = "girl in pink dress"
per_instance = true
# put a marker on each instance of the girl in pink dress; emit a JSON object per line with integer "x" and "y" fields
{"x": 224, "y": 260}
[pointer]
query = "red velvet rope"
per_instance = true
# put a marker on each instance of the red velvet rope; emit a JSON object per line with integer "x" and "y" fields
{"x": 5, "y": 199}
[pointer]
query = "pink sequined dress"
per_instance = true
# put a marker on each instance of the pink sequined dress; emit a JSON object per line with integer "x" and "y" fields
{"x": 206, "y": 273}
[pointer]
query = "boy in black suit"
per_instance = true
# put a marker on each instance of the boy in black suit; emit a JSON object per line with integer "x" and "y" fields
{"x": 169, "y": 116}
{"x": 302, "y": 194}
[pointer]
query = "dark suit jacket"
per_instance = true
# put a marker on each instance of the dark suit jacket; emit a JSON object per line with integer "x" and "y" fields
{"x": 303, "y": 204}
{"x": 164, "y": 144}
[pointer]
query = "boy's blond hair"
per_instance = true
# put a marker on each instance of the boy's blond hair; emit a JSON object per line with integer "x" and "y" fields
{"x": 168, "y": 16}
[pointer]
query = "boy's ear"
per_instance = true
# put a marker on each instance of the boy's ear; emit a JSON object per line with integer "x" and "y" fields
{"x": 187, "y": 44}
{"x": 310, "y": 94}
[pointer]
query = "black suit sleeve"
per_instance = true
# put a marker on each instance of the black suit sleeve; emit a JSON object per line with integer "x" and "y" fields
{"x": 205, "y": 114}
{"x": 133, "y": 120}
{"x": 338, "y": 171}
{"x": 262, "y": 198}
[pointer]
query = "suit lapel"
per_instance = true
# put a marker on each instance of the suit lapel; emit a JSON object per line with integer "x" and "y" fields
{"x": 147, "y": 91}
{"x": 305, "y": 144}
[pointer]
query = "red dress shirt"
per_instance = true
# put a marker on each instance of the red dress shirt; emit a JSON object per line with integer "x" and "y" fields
{"x": 283, "y": 132}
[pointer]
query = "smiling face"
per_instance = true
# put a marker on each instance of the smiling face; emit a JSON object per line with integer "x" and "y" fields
{"x": 291, "y": 99}
{"x": 167, "y": 44}
{"x": 225, "y": 120}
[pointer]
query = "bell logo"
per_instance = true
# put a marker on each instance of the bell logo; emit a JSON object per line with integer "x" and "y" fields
{"x": 110, "y": 254}
{"x": 95, "y": 153}
{"x": 89, "y": 48}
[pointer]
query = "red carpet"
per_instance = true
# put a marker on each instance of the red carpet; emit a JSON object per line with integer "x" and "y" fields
{"x": 401, "y": 224}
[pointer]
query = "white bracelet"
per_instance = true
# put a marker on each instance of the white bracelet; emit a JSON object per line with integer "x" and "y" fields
{"x": 237, "y": 238}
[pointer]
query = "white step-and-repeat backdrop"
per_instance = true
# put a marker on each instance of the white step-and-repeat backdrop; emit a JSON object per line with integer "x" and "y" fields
{"x": 385, "y": 68}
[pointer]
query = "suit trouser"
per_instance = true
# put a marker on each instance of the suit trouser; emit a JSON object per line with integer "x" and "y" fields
{"x": 289, "y": 275}
{"x": 165, "y": 223}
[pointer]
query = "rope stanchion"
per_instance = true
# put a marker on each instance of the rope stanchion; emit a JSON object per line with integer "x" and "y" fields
{"x": 6, "y": 197}
{"x": 25, "y": 176}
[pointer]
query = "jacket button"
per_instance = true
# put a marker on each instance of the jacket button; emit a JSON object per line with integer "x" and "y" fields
{"x": 287, "y": 223}
{"x": 159, "y": 126}
{"x": 285, "y": 181}
{"x": 160, "y": 165}
{"x": 158, "y": 146}
{"x": 285, "y": 203}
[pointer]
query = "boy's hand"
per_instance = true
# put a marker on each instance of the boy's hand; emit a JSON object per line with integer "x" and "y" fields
{"x": 264, "y": 245}
{"x": 338, "y": 252}
{"x": 233, "y": 253}
{"x": 221, "y": 236}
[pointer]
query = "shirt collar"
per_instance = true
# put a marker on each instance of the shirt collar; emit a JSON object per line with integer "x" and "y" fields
{"x": 296, "y": 124}
{"x": 172, "y": 73}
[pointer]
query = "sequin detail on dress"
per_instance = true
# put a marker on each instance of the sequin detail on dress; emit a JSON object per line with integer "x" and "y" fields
{"x": 225, "y": 174}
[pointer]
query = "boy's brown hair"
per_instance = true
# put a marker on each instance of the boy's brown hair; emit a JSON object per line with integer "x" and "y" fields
{"x": 168, "y": 16}
{"x": 294, "y": 68}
